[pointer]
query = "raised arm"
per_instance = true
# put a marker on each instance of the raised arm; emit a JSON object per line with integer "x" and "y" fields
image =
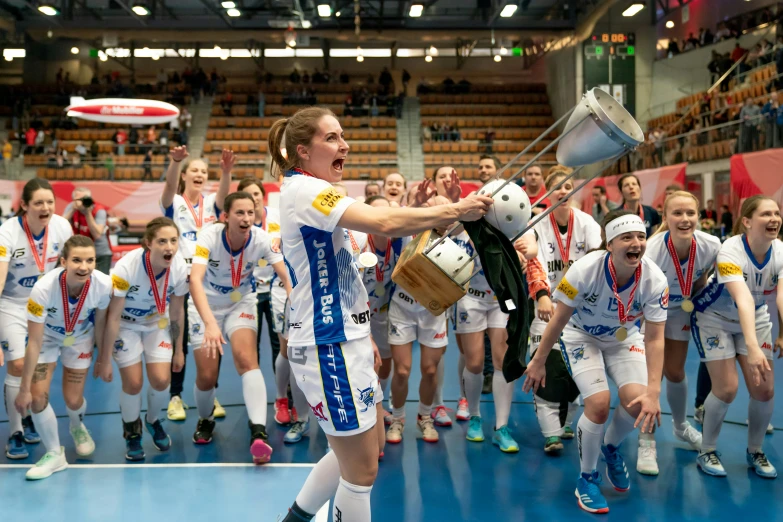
{"x": 178, "y": 155}
{"x": 227, "y": 161}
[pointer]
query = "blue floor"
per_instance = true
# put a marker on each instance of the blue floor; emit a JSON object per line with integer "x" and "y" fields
{"x": 453, "y": 480}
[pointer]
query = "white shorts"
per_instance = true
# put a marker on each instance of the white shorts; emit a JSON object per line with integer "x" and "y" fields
{"x": 476, "y": 315}
{"x": 231, "y": 318}
{"x": 718, "y": 338}
{"x": 13, "y": 329}
{"x": 340, "y": 384}
{"x": 537, "y": 328}
{"x": 279, "y": 299}
{"x": 379, "y": 329}
{"x": 76, "y": 357}
{"x": 406, "y": 326}
{"x": 133, "y": 340}
{"x": 678, "y": 325}
{"x": 589, "y": 360}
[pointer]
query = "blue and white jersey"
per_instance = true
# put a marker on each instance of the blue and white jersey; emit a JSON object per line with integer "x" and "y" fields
{"x": 265, "y": 274}
{"x": 379, "y": 304}
{"x": 707, "y": 247}
{"x": 736, "y": 263}
{"x": 329, "y": 304}
{"x": 478, "y": 288}
{"x": 587, "y": 287}
{"x": 585, "y": 237}
{"x": 183, "y": 218}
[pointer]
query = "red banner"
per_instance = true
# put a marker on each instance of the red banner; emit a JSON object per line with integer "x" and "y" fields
{"x": 756, "y": 173}
{"x": 653, "y": 182}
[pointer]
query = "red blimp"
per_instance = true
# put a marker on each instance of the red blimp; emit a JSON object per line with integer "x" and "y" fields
{"x": 122, "y": 110}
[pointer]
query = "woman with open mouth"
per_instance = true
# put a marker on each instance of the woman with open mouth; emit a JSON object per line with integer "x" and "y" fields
{"x": 66, "y": 315}
{"x": 394, "y": 186}
{"x": 223, "y": 291}
{"x": 30, "y": 245}
{"x": 631, "y": 190}
{"x": 329, "y": 341}
{"x": 146, "y": 317}
{"x": 184, "y": 202}
{"x": 686, "y": 256}
{"x": 731, "y": 324}
{"x": 602, "y": 301}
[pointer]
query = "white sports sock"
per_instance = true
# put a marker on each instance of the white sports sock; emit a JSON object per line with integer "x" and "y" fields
{"x": 438, "y": 397}
{"x": 130, "y": 406}
{"x": 398, "y": 413}
{"x": 77, "y": 416}
{"x": 548, "y": 415}
{"x": 254, "y": 392}
{"x": 473, "y": 384}
{"x": 573, "y": 407}
{"x": 385, "y": 389}
{"x": 460, "y": 375}
{"x": 11, "y": 390}
{"x": 759, "y": 415}
{"x": 588, "y": 436}
{"x": 352, "y": 503}
{"x": 714, "y": 413}
{"x": 619, "y": 428}
{"x": 46, "y": 425}
{"x": 677, "y": 395}
{"x": 156, "y": 401}
{"x": 424, "y": 410}
{"x": 502, "y": 391}
{"x": 205, "y": 402}
{"x": 300, "y": 400}
{"x": 282, "y": 375}
{"x": 321, "y": 484}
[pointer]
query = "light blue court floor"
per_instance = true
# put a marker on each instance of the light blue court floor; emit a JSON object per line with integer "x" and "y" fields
{"x": 453, "y": 480}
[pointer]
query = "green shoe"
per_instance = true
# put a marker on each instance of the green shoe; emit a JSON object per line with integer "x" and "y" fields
{"x": 475, "y": 433}
{"x": 568, "y": 433}
{"x": 502, "y": 439}
{"x": 553, "y": 445}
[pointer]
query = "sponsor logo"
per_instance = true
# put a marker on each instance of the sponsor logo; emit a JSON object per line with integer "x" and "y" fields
{"x": 34, "y": 308}
{"x": 273, "y": 227}
{"x": 323, "y": 275}
{"x": 195, "y": 328}
{"x": 586, "y": 310}
{"x": 477, "y": 293}
{"x": 566, "y": 288}
{"x": 597, "y": 381}
{"x": 87, "y": 355}
{"x": 326, "y": 201}
{"x": 535, "y": 339}
{"x": 599, "y": 329}
{"x": 578, "y": 353}
{"x": 441, "y": 335}
{"x": 52, "y": 310}
{"x": 686, "y": 328}
{"x": 393, "y": 330}
{"x": 729, "y": 269}
{"x": 367, "y": 397}
{"x": 119, "y": 283}
{"x": 4, "y": 345}
{"x": 138, "y": 312}
{"x": 52, "y": 259}
{"x": 766, "y": 346}
{"x": 318, "y": 411}
{"x": 713, "y": 342}
{"x": 119, "y": 346}
{"x": 580, "y": 246}
{"x": 361, "y": 318}
{"x": 664, "y": 299}
{"x": 243, "y": 315}
{"x": 592, "y": 299}
{"x": 3, "y": 251}
{"x": 165, "y": 345}
{"x": 190, "y": 236}
{"x": 463, "y": 317}
{"x": 122, "y": 111}
{"x": 202, "y": 252}
{"x": 294, "y": 325}
{"x": 336, "y": 392}
{"x": 636, "y": 349}
{"x": 405, "y": 297}
{"x": 28, "y": 282}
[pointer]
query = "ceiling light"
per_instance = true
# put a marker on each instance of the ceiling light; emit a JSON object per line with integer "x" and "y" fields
{"x": 669, "y": 24}
{"x": 503, "y": 51}
{"x": 48, "y": 10}
{"x": 433, "y": 50}
{"x": 228, "y": 5}
{"x": 233, "y": 13}
{"x": 9, "y": 58}
{"x": 324, "y": 10}
{"x": 497, "y": 58}
{"x": 74, "y": 50}
{"x": 338, "y": 13}
{"x": 224, "y": 57}
{"x": 102, "y": 55}
{"x": 428, "y": 58}
{"x": 306, "y": 24}
{"x": 155, "y": 57}
{"x": 360, "y": 58}
{"x": 140, "y": 9}
{"x": 633, "y": 9}
{"x": 509, "y": 10}
{"x": 416, "y": 10}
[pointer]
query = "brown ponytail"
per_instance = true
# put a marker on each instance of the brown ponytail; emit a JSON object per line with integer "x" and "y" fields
{"x": 289, "y": 133}
{"x": 749, "y": 206}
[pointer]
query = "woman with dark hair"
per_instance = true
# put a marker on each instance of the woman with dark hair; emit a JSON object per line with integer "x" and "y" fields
{"x": 631, "y": 189}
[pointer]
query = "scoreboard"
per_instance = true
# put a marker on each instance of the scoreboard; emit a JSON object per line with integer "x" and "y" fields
{"x": 609, "y": 63}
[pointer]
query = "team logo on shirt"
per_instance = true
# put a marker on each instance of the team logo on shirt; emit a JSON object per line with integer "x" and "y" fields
{"x": 367, "y": 397}
{"x": 580, "y": 246}
{"x": 4, "y": 345}
{"x": 119, "y": 346}
{"x": 318, "y": 411}
{"x": 578, "y": 354}
{"x": 326, "y": 201}
{"x": 463, "y": 317}
{"x": 713, "y": 342}
{"x": 664, "y": 299}
{"x": 393, "y": 330}
{"x": 196, "y": 328}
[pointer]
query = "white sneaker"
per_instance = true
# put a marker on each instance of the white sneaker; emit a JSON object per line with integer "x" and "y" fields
{"x": 698, "y": 415}
{"x": 770, "y": 427}
{"x": 689, "y": 435}
{"x": 52, "y": 462}
{"x": 647, "y": 460}
{"x": 85, "y": 446}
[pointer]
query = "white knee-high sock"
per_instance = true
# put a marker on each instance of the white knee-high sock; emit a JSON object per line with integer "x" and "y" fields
{"x": 588, "y": 436}
{"x": 10, "y": 391}
{"x": 205, "y": 402}
{"x": 282, "y": 374}
{"x": 254, "y": 392}
{"x": 502, "y": 391}
{"x": 677, "y": 395}
{"x": 473, "y": 384}
{"x": 300, "y": 400}
{"x": 321, "y": 485}
{"x": 156, "y": 401}
{"x": 77, "y": 416}
{"x": 759, "y": 415}
{"x": 352, "y": 503}
{"x": 460, "y": 374}
{"x": 548, "y": 415}
{"x": 714, "y": 413}
{"x": 621, "y": 425}
{"x": 438, "y": 398}
{"x": 46, "y": 424}
{"x": 130, "y": 406}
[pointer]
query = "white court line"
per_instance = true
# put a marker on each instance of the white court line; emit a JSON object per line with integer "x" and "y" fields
{"x": 323, "y": 514}
{"x": 182, "y": 465}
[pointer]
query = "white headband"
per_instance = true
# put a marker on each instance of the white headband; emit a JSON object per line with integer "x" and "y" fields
{"x": 623, "y": 224}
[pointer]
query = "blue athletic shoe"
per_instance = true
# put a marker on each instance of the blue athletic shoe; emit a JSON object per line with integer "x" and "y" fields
{"x": 502, "y": 439}
{"x": 133, "y": 450}
{"x": 709, "y": 463}
{"x": 588, "y": 494}
{"x": 298, "y": 430}
{"x": 15, "y": 449}
{"x": 475, "y": 433}
{"x": 160, "y": 438}
{"x": 758, "y": 461}
{"x": 30, "y": 435}
{"x": 616, "y": 471}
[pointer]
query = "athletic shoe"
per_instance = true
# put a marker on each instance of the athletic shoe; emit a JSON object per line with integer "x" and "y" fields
{"x": 204, "y": 429}
{"x": 427, "y": 428}
{"x": 487, "y": 387}
{"x": 588, "y": 493}
{"x": 85, "y": 446}
{"x": 218, "y": 412}
{"x": 259, "y": 448}
{"x": 758, "y": 461}
{"x": 52, "y": 462}
{"x": 568, "y": 433}
{"x": 394, "y": 433}
{"x": 441, "y": 417}
{"x": 160, "y": 438}
{"x": 616, "y": 471}
{"x": 463, "y": 413}
{"x": 690, "y": 435}
{"x": 298, "y": 430}
{"x": 30, "y": 434}
{"x": 647, "y": 458}
{"x": 710, "y": 464}
{"x": 387, "y": 418}
{"x": 282, "y": 413}
{"x": 553, "y": 445}
{"x": 15, "y": 449}
{"x": 133, "y": 450}
{"x": 475, "y": 432}
{"x": 294, "y": 415}
{"x": 698, "y": 415}
{"x": 502, "y": 439}
{"x": 176, "y": 409}
{"x": 770, "y": 429}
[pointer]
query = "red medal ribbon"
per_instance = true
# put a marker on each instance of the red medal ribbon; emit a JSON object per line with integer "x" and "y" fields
{"x": 387, "y": 256}
{"x": 198, "y": 218}
{"x": 641, "y": 210}
{"x": 40, "y": 260}
{"x": 622, "y": 310}
{"x": 354, "y": 244}
{"x": 686, "y": 283}
{"x": 565, "y": 252}
{"x": 160, "y": 302}
{"x": 236, "y": 274}
{"x": 70, "y": 323}
{"x": 303, "y": 172}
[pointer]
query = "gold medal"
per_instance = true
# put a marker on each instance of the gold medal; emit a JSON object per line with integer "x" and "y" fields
{"x": 687, "y": 305}
{"x": 380, "y": 291}
{"x": 621, "y": 334}
{"x": 69, "y": 339}
{"x": 163, "y": 323}
{"x": 236, "y": 296}
{"x": 262, "y": 263}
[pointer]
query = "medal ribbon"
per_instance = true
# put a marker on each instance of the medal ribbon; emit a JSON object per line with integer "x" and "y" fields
{"x": 686, "y": 283}
{"x": 565, "y": 252}
{"x": 198, "y": 218}
{"x": 236, "y": 273}
{"x": 641, "y": 210}
{"x": 303, "y": 172}
{"x": 622, "y": 310}
{"x": 70, "y": 323}
{"x": 40, "y": 260}
{"x": 354, "y": 244}
{"x": 160, "y": 302}
{"x": 387, "y": 256}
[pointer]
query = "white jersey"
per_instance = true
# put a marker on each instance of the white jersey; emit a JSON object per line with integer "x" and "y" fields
{"x": 587, "y": 287}
{"x": 265, "y": 274}
{"x": 45, "y": 304}
{"x": 373, "y": 283}
{"x": 403, "y": 298}
{"x": 585, "y": 236}
{"x": 130, "y": 280}
{"x": 736, "y": 263}
{"x": 183, "y": 218}
{"x": 213, "y": 251}
{"x": 15, "y": 250}
{"x": 329, "y": 304}
{"x": 478, "y": 288}
{"x": 707, "y": 247}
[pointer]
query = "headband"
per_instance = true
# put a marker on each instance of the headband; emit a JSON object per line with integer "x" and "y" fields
{"x": 623, "y": 224}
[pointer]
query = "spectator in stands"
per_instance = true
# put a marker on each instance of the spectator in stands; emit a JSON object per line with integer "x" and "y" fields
{"x": 94, "y": 150}
{"x": 213, "y": 82}
{"x": 708, "y": 217}
{"x": 723, "y": 32}
{"x": 147, "y": 164}
{"x": 109, "y": 166}
{"x": 163, "y": 140}
{"x": 120, "y": 138}
{"x": 601, "y": 204}
{"x": 705, "y": 37}
{"x": 726, "y": 221}
{"x": 489, "y": 139}
{"x": 534, "y": 186}
{"x": 454, "y": 134}
{"x": 39, "y": 141}
{"x": 80, "y": 150}
{"x": 749, "y": 116}
{"x": 691, "y": 43}
{"x": 385, "y": 80}
{"x": 674, "y": 47}
{"x": 185, "y": 119}
{"x": 89, "y": 218}
{"x": 152, "y": 137}
{"x": 261, "y": 103}
{"x": 294, "y": 77}
{"x": 657, "y": 137}
{"x": 163, "y": 80}
{"x": 133, "y": 140}
{"x": 714, "y": 66}
{"x": 773, "y": 121}
{"x": 738, "y": 52}
{"x": 8, "y": 152}
{"x": 406, "y": 78}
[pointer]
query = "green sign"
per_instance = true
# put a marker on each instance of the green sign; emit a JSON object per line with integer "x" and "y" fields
{"x": 93, "y": 53}
{"x": 516, "y": 51}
